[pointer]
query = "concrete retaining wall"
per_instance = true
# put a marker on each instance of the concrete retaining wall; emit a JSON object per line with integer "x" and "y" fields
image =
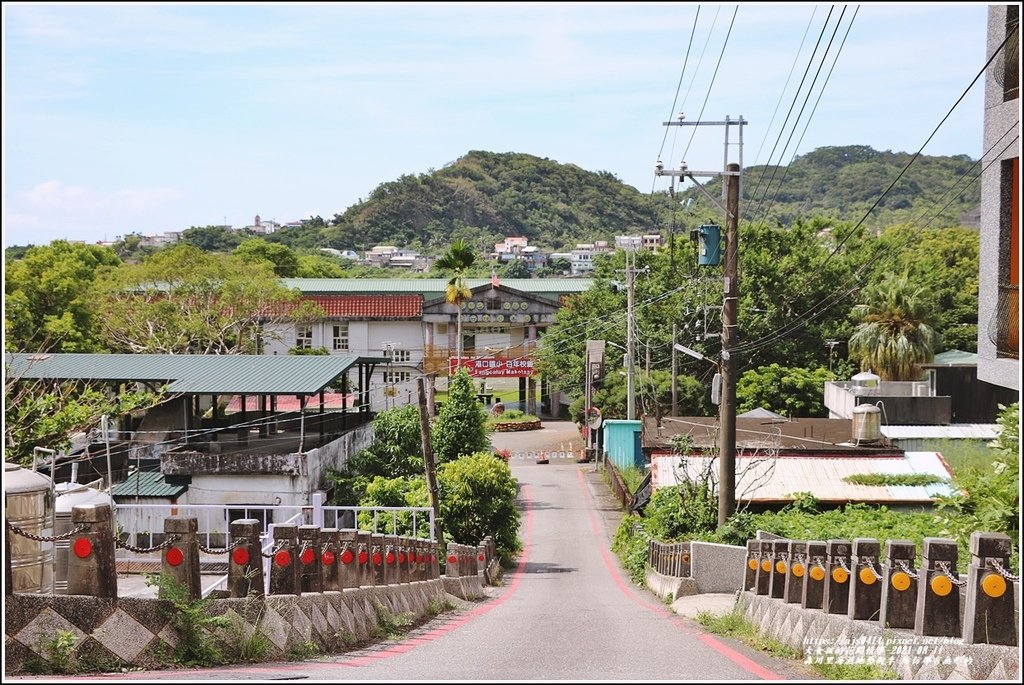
{"x": 821, "y": 636}
{"x": 717, "y": 568}
{"x": 669, "y": 587}
{"x": 111, "y": 633}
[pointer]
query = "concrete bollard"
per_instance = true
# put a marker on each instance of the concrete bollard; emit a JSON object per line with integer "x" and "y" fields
{"x": 481, "y": 560}
{"x": 451, "y": 568}
{"x": 794, "y": 588}
{"x": 989, "y": 614}
{"x": 403, "y": 560}
{"x": 836, "y": 598}
{"x": 310, "y": 573}
{"x": 364, "y": 544}
{"x": 435, "y": 560}
{"x": 348, "y": 559}
{"x": 938, "y": 598}
{"x": 180, "y": 560}
{"x": 764, "y": 567}
{"x": 92, "y": 568}
{"x": 780, "y": 569}
{"x": 652, "y": 554}
{"x": 865, "y": 590}
{"x": 284, "y": 572}
{"x": 390, "y": 560}
{"x": 330, "y": 562}
{"x": 751, "y": 563}
{"x": 898, "y": 605}
{"x": 684, "y": 560}
{"x": 813, "y": 593}
{"x": 245, "y": 564}
{"x": 377, "y": 558}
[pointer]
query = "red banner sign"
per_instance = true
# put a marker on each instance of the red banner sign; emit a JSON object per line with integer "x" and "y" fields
{"x": 493, "y": 367}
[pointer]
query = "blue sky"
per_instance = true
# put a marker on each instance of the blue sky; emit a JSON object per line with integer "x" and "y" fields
{"x": 122, "y": 118}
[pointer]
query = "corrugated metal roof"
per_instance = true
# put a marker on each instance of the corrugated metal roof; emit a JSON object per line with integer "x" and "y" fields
{"x": 760, "y": 479}
{"x": 147, "y": 484}
{"x": 200, "y": 374}
{"x": 956, "y": 431}
{"x": 433, "y": 287}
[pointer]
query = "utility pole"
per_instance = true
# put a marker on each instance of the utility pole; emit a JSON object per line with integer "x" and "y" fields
{"x": 730, "y": 305}
{"x": 630, "y": 367}
{"x": 675, "y": 367}
{"x": 731, "y": 182}
{"x": 428, "y": 461}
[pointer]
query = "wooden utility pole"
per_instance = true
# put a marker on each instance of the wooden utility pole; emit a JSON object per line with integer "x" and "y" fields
{"x": 730, "y": 305}
{"x": 428, "y": 461}
{"x": 630, "y": 367}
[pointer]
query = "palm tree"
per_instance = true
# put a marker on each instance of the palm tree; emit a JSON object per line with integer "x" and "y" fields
{"x": 457, "y": 260}
{"x": 893, "y": 336}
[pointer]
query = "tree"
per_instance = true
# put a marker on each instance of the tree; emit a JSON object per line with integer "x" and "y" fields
{"x": 893, "y": 337}
{"x": 39, "y": 413}
{"x": 186, "y": 301}
{"x": 790, "y": 391}
{"x": 478, "y": 498}
{"x": 516, "y": 269}
{"x": 457, "y": 260}
{"x": 211, "y": 238}
{"x": 47, "y": 305}
{"x": 282, "y": 258}
{"x": 461, "y": 425}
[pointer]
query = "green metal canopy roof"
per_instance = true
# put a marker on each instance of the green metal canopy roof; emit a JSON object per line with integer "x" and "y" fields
{"x": 147, "y": 484}
{"x": 433, "y": 287}
{"x": 196, "y": 374}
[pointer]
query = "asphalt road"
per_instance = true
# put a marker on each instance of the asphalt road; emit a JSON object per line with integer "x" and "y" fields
{"x": 567, "y": 612}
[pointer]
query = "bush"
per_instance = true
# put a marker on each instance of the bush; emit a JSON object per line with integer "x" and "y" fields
{"x": 460, "y": 428}
{"x": 478, "y": 498}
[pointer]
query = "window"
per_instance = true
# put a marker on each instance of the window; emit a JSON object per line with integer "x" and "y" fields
{"x": 396, "y": 377}
{"x": 493, "y": 305}
{"x": 304, "y": 337}
{"x": 341, "y": 336}
{"x": 400, "y": 356}
{"x": 440, "y": 329}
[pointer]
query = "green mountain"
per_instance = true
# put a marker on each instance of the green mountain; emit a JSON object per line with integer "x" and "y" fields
{"x": 484, "y": 196}
{"x": 846, "y": 182}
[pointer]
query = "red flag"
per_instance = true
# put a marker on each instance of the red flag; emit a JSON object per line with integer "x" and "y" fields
{"x": 494, "y": 278}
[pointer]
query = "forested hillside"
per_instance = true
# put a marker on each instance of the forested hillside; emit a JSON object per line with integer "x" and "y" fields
{"x": 485, "y": 196}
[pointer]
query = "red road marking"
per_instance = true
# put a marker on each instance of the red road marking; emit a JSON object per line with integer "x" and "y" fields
{"x": 728, "y": 652}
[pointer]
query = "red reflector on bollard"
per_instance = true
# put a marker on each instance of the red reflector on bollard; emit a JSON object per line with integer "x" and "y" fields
{"x": 83, "y": 547}
{"x": 175, "y": 556}
{"x": 327, "y": 558}
{"x": 419, "y": 558}
{"x": 347, "y": 557}
{"x": 391, "y": 558}
{"x": 283, "y": 558}
{"x": 401, "y": 557}
{"x": 377, "y": 559}
{"x": 307, "y": 557}
{"x": 363, "y": 557}
{"x": 453, "y": 559}
{"x": 480, "y": 558}
{"x": 240, "y": 556}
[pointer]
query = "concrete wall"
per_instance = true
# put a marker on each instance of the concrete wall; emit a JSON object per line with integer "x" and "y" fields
{"x": 1000, "y": 117}
{"x": 135, "y": 632}
{"x": 817, "y": 635}
{"x": 717, "y": 568}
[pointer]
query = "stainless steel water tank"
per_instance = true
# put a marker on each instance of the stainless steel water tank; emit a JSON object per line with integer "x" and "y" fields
{"x": 69, "y": 496}
{"x": 27, "y": 505}
{"x": 867, "y": 423}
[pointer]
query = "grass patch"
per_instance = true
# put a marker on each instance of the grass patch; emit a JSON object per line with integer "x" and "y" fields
{"x": 914, "y": 479}
{"x": 735, "y": 625}
{"x": 392, "y": 626}
{"x": 632, "y": 476}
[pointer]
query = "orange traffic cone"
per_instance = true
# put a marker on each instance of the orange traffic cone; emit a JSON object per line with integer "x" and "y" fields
{"x": 542, "y": 458}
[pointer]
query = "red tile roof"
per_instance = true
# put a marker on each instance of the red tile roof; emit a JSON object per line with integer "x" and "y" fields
{"x": 370, "y": 306}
